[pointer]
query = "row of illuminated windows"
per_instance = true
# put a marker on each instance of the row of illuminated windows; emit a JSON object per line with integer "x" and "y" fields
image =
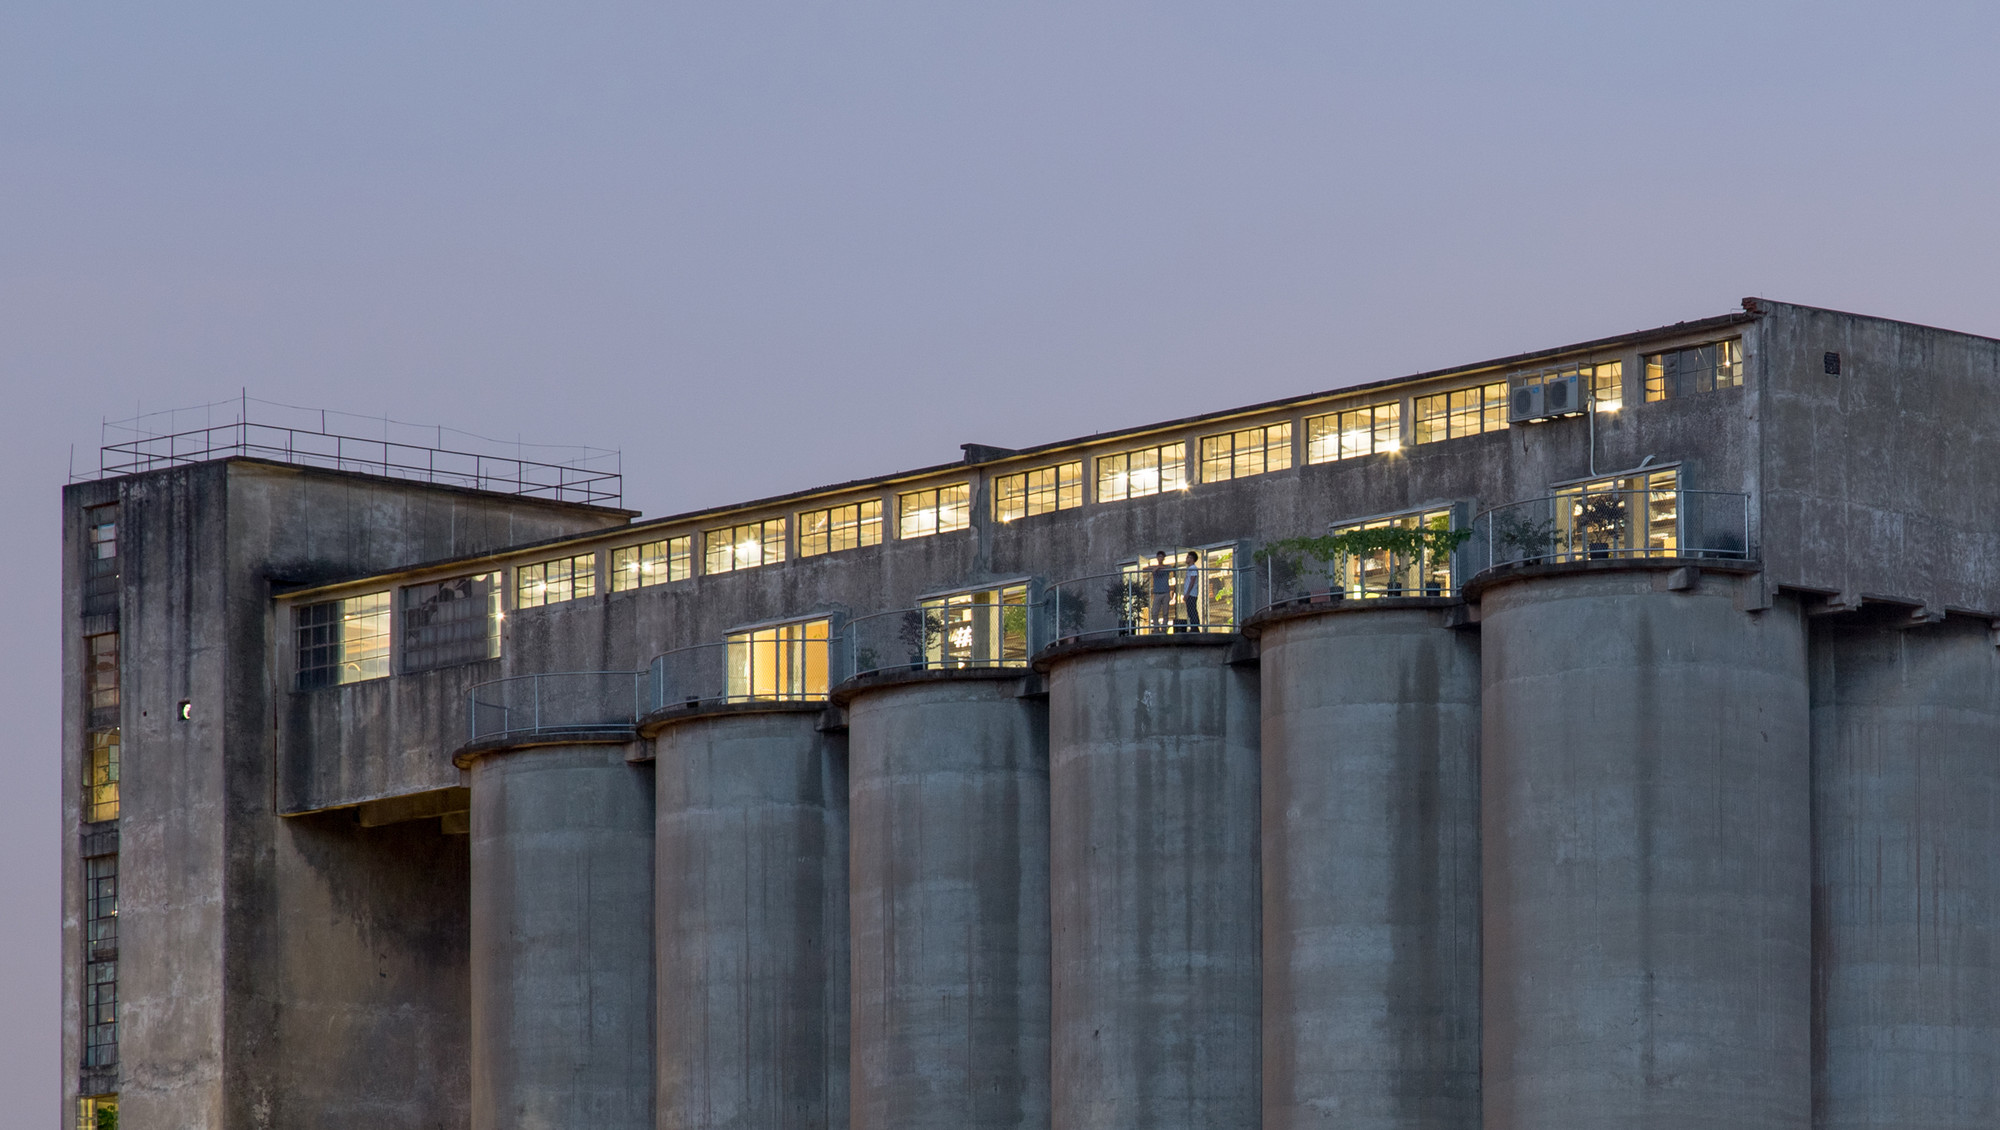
{"x": 443, "y": 623}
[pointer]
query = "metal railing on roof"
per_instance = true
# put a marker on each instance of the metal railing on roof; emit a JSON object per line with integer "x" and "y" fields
{"x": 318, "y": 438}
{"x": 1146, "y": 600}
{"x": 943, "y": 635}
{"x": 1603, "y": 525}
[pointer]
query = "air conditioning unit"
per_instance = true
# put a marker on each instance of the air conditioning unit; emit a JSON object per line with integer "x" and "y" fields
{"x": 1561, "y": 396}
{"x": 1525, "y": 404}
{"x": 1539, "y": 398}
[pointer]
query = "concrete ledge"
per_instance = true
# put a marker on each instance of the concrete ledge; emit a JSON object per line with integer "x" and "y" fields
{"x": 1085, "y": 645}
{"x": 906, "y": 676}
{"x": 1509, "y": 574}
{"x": 650, "y": 724}
{"x": 1304, "y": 606}
{"x": 465, "y": 755}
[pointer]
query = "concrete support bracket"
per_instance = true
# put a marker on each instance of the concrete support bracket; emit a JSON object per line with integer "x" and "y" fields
{"x": 1684, "y": 579}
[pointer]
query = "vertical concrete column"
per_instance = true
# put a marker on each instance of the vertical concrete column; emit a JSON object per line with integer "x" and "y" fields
{"x": 752, "y": 930}
{"x": 1153, "y": 807}
{"x": 1647, "y": 897}
{"x": 1371, "y": 871}
{"x": 1906, "y": 828}
{"x": 949, "y": 788}
{"x": 562, "y": 939}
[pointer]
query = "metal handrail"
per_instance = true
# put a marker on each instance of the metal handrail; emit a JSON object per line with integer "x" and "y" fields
{"x": 1129, "y": 603}
{"x": 556, "y": 702}
{"x": 738, "y": 671}
{"x": 941, "y": 635}
{"x": 1612, "y": 524}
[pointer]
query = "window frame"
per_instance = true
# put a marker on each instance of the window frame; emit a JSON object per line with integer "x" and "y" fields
{"x": 373, "y": 661}
{"x": 909, "y": 516}
{"x": 452, "y": 648}
{"x": 1036, "y": 491}
{"x": 661, "y": 561}
{"x": 532, "y": 583}
{"x": 1655, "y": 386}
{"x": 1327, "y": 434}
{"x": 767, "y": 534}
{"x": 804, "y": 670}
{"x": 1251, "y": 451}
{"x": 1169, "y": 469}
{"x": 1489, "y": 412}
{"x": 98, "y": 802}
{"x": 856, "y": 524}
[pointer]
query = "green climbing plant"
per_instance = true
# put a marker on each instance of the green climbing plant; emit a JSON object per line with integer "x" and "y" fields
{"x": 1434, "y": 541}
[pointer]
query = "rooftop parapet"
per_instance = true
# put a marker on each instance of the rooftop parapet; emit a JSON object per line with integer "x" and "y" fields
{"x": 370, "y": 445}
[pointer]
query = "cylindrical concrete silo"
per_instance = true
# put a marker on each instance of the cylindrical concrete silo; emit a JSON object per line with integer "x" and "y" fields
{"x": 1371, "y": 870}
{"x": 1647, "y": 896}
{"x": 1906, "y": 827}
{"x": 562, "y": 939}
{"x": 752, "y": 928}
{"x": 949, "y": 881}
{"x": 1153, "y": 887}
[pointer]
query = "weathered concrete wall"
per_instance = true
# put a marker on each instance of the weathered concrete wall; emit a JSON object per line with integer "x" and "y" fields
{"x": 1153, "y": 799}
{"x": 1880, "y": 481}
{"x": 1646, "y": 857}
{"x": 1371, "y": 871}
{"x": 752, "y": 929}
{"x": 1906, "y": 883}
{"x": 949, "y": 788}
{"x": 562, "y": 940}
{"x": 380, "y": 738}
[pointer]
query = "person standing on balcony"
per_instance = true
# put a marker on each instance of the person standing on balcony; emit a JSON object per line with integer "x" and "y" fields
{"x": 1160, "y": 606}
{"x": 1191, "y": 590}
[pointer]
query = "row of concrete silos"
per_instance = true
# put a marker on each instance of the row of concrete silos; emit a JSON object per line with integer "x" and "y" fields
{"x": 1623, "y": 852}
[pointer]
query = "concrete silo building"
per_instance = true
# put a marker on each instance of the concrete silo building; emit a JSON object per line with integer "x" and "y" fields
{"x": 1602, "y": 736}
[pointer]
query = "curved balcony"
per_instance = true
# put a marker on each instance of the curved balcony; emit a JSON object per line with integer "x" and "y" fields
{"x": 1146, "y": 600}
{"x": 558, "y": 703}
{"x": 757, "y": 667}
{"x": 1610, "y": 525}
{"x": 943, "y": 635}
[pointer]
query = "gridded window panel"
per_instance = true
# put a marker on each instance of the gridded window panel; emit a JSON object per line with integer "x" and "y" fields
{"x": 1607, "y": 385}
{"x": 786, "y": 661}
{"x": 342, "y": 641}
{"x": 654, "y": 563}
{"x": 744, "y": 547}
{"x": 835, "y": 528}
{"x": 1461, "y": 412}
{"x": 451, "y": 622}
{"x": 1043, "y": 490}
{"x": 1138, "y": 474}
{"x": 100, "y": 907}
{"x": 100, "y": 777}
{"x": 1245, "y": 452}
{"x": 103, "y": 659}
{"x": 553, "y": 582}
{"x": 100, "y": 1013}
{"x": 1685, "y": 372}
{"x": 1383, "y": 572}
{"x": 100, "y": 559}
{"x": 97, "y": 1112}
{"x": 1354, "y": 433}
{"x": 973, "y": 629}
{"x": 938, "y": 510}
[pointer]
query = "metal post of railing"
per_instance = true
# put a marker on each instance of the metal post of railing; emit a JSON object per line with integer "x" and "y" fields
{"x": 538, "y": 701}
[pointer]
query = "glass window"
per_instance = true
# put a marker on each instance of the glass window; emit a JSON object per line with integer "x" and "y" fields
{"x": 1383, "y": 572}
{"x": 744, "y": 546}
{"x": 1630, "y": 516}
{"x": 787, "y": 661}
{"x": 940, "y": 510}
{"x": 1354, "y": 433}
{"x": 1146, "y": 471}
{"x": 1154, "y": 591}
{"x": 450, "y": 622}
{"x": 1040, "y": 491}
{"x": 654, "y": 563}
{"x": 1461, "y": 412}
{"x": 836, "y": 528}
{"x": 103, "y": 674}
{"x": 552, "y": 582}
{"x": 977, "y": 629}
{"x": 100, "y": 1013}
{"x": 100, "y": 777}
{"x": 342, "y": 641}
{"x": 97, "y": 1112}
{"x": 1606, "y": 382}
{"x": 1684, "y": 372}
{"x": 100, "y": 559}
{"x": 1245, "y": 452}
{"x": 100, "y": 907}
